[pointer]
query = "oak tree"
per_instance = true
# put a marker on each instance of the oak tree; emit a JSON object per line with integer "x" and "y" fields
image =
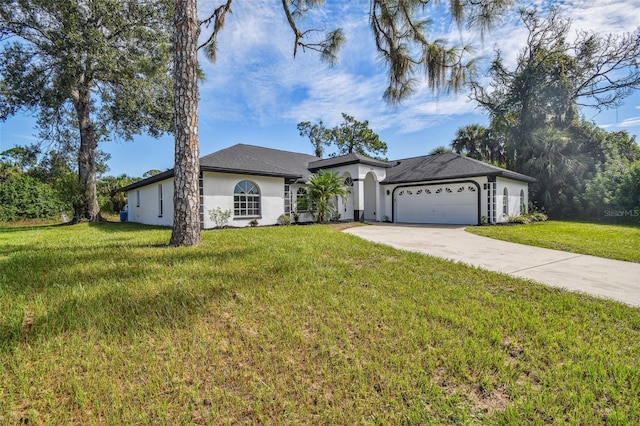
{"x": 91, "y": 70}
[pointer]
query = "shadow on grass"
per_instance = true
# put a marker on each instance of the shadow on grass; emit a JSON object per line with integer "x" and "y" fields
{"x": 22, "y": 228}
{"x": 116, "y": 312}
{"x": 118, "y": 227}
{"x": 109, "y": 287}
{"x": 31, "y": 268}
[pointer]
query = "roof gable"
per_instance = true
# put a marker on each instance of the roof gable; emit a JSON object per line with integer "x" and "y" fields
{"x": 351, "y": 158}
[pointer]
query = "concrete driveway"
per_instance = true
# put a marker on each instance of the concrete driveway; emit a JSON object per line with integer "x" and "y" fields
{"x": 613, "y": 279}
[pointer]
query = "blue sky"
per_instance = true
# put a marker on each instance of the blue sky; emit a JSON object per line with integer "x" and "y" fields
{"x": 256, "y": 93}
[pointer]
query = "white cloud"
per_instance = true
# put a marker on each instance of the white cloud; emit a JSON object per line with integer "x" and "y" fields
{"x": 257, "y": 81}
{"x": 626, "y": 123}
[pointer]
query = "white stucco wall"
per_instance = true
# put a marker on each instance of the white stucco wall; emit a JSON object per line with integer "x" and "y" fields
{"x": 513, "y": 189}
{"x": 218, "y": 192}
{"x": 358, "y": 173}
{"x": 144, "y": 206}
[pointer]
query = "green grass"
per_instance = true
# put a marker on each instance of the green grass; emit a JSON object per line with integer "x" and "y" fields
{"x": 104, "y": 324}
{"x": 620, "y": 242}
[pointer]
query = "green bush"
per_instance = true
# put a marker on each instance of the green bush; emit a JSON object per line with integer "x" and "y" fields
{"x": 220, "y": 217}
{"x": 283, "y": 219}
{"x": 528, "y": 218}
{"x": 522, "y": 219}
{"x": 538, "y": 217}
{"x": 23, "y": 197}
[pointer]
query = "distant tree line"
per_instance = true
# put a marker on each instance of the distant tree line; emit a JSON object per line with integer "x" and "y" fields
{"x": 34, "y": 185}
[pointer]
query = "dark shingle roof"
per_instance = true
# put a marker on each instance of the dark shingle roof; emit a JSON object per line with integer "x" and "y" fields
{"x": 247, "y": 159}
{"x": 446, "y": 166}
{"x": 352, "y": 158}
{"x": 256, "y": 160}
{"x": 250, "y": 159}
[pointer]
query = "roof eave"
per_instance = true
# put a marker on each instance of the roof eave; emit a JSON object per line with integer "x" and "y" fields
{"x": 523, "y": 178}
{"x": 148, "y": 181}
{"x": 248, "y": 172}
{"x": 350, "y": 162}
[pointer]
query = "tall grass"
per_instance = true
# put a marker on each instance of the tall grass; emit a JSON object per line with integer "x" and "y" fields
{"x": 106, "y": 324}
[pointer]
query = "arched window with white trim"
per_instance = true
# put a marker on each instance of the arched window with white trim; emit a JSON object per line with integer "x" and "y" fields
{"x": 246, "y": 199}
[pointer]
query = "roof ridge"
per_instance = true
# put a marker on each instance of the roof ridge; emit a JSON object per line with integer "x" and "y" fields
{"x": 274, "y": 149}
{"x": 427, "y": 155}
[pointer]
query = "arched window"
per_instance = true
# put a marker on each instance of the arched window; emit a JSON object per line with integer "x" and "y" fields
{"x": 505, "y": 201}
{"x": 522, "y": 206}
{"x": 246, "y": 199}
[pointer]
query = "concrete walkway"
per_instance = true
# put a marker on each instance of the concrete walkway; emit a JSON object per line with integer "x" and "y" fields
{"x": 613, "y": 279}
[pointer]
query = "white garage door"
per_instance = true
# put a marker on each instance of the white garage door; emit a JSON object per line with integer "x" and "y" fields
{"x": 447, "y": 203}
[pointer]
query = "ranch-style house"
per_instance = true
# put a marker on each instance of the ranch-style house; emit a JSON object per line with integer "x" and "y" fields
{"x": 263, "y": 183}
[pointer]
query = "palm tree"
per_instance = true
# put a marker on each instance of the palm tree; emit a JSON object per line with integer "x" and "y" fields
{"x": 468, "y": 141}
{"x": 321, "y": 188}
{"x": 440, "y": 150}
{"x": 552, "y": 159}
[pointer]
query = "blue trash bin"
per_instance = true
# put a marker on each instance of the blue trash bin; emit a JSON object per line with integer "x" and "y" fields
{"x": 123, "y": 216}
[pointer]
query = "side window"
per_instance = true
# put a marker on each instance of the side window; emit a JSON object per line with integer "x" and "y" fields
{"x": 160, "y": 206}
{"x": 505, "y": 201}
{"x": 137, "y": 198}
{"x": 522, "y": 206}
{"x": 301, "y": 201}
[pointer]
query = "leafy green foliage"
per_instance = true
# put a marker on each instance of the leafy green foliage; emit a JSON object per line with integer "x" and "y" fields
{"x": 350, "y": 136}
{"x": 400, "y": 30}
{"x": 534, "y": 108}
{"x": 322, "y": 187}
{"x": 23, "y": 197}
{"x": 220, "y": 217}
{"x": 318, "y": 135}
{"x": 480, "y": 143}
{"x": 284, "y": 220}
{"x": 614, "y": 192}
{"x": 110, "y": 198}
{"x": 90, "y": 71}
{"x": 151, "y": 172}
{"x": 439, "y": 150}
{"x": 525, "y": 219}
{"x": 356, "y": 136}
{"x": 21, "y": 157}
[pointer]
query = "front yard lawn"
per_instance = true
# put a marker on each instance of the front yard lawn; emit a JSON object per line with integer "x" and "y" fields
{"x": 105, "y": 324}
{"x": 620, "y": 242}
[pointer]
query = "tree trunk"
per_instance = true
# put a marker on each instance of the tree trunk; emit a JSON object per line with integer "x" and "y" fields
{"x": 86, "y": 206}
{"x": 186, "y": 196}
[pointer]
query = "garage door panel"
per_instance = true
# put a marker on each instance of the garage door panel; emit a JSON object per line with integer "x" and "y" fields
{"x": 447, "y": 204}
